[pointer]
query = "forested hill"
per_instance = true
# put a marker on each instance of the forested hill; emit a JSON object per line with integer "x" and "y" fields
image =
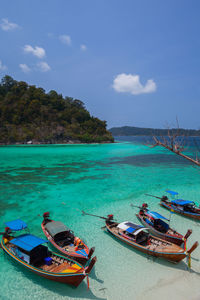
{"x": 128, "y": 130}
{"x": 29, "y": 114}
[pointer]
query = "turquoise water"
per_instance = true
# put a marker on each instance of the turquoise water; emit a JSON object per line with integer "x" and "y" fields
{"x": 100, "y": 179}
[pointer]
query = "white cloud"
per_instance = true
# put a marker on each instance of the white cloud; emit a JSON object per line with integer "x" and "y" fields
{"x": 65, "y": 39}
{"x": 2, "y": 67}
{"x": 24, "y": 68}
{"x": 37, "y": 51}
{"x": 83, "y": 47}
{"x": 6, "y": 25}
{"x": 128, "y": 83}
{"x": 43, "y": 66}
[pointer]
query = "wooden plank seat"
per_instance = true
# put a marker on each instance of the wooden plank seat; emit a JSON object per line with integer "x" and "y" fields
{"x": 48, "y": 268}
{"x": 55, "y": 268}
{"x": 61, "y": 267}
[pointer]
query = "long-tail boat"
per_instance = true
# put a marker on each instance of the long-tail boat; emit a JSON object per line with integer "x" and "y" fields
{"x": 64, "y": 240}
{"x": 139, "y": 238}
{"x": 158, "y": 226}
{"x": 29, "y": 251}
{"x": 183, "y": 207}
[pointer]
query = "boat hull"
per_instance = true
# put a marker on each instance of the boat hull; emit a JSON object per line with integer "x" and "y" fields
{"x": 170, "y": 256}
{"x": 173, "y": 239}
{"x": 180, "y": 212}
{"x": 71, "y": 279}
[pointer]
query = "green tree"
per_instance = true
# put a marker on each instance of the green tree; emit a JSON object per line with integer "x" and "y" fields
{"x": 28, "y": 112}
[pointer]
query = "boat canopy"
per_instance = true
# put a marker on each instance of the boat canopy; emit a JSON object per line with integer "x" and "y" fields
{"x": 182, "y": 202}
{"x": 56, "y": 227}
{"x": 16, "y": 225}
{"x": 131, "y": 227}
{"x": 156, "y": 215}
{"x": 172, "y": 193}
{"x": 27, "y": 242}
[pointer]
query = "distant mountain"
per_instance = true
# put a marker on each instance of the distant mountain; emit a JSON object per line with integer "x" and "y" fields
{"x": 30, "y": 115}
{"x": 129, "y": 130}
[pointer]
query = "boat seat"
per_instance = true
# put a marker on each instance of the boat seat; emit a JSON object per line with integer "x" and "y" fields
{"x": 48, "y": 268}
{"x": 61, "y": 267}
{"x": 64, "y": 242}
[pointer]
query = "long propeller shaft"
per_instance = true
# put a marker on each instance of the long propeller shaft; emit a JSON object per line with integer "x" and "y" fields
{"x": 153, "y": 196}
{"x": 84, "y": 213}
{"x": 135, "y": 206}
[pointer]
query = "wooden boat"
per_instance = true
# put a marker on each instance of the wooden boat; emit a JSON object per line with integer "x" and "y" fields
{"x": 29, "y": 251}
{"x": 63, "y": 239}
{"x": 183, "y": 207}
{"x": 157, "y": 225}
{"x": 137, "y": 237}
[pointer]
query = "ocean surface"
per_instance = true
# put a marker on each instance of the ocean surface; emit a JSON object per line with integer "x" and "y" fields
{"x": 99, "y": 179}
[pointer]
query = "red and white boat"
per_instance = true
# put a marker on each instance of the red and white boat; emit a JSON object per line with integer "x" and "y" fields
{"x": 64, "y": 240}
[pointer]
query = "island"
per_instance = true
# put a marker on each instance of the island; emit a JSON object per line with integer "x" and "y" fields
{"x": 29, "y": 115}
{"x": 131, "y": 131}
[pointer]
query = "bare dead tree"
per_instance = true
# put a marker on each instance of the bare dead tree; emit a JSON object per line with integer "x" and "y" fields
{"x": 175, "y": 143}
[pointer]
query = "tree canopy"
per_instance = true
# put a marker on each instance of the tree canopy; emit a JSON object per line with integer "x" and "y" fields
{"x": 29, "y": 113}
{"x": 130, "y": 130}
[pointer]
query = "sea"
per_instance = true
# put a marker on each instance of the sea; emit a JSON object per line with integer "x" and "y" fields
{"x": 99, "y": 179}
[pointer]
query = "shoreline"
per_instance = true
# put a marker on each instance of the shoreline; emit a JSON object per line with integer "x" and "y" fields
{"x": 60, "y": 143}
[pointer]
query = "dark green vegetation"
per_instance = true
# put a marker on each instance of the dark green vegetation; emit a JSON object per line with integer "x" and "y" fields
{"x": 27, "y": 113}
{"x": 129, "y": 130}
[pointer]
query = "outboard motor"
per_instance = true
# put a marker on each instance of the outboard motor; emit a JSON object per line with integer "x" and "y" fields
{"x": 144, "y": 206}
{"x": 109, "y": 217}
{"x": 7, "y": 232}
{"x": 46, "y": 217}
{"x": 164, "y": 198}
{"x": 6, "y": 235}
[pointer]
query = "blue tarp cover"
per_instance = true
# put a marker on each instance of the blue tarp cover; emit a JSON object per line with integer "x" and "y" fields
{"x": 172, "y": 193}
{"x": 134, "y": 226}
{"x": 156, "y": 215}
{"x": 130, "y": 230}
{"x": 149, "y": 222}
{"x": 27, "y": 242}
{"x": 16, "y": 225}
{"x": 182, "y": 202}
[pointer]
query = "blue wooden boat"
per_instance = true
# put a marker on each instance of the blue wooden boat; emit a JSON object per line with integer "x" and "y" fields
{"x": 158, "y": 225}
{"x": 183, "y": 207}
{"x": 30, "y": 252}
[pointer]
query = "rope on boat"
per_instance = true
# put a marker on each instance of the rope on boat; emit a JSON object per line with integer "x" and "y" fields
{"x": 88, "y": 283}
{"x": 189, "y": 260}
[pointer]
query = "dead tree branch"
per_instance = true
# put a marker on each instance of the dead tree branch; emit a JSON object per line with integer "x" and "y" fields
{"x": 175, "y": 143}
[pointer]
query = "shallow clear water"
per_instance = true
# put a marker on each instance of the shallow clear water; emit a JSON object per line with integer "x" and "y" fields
{"x": 100, "y": 179}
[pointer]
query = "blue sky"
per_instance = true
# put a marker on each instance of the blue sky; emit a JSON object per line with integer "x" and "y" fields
{"x": 131, "y": 62}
